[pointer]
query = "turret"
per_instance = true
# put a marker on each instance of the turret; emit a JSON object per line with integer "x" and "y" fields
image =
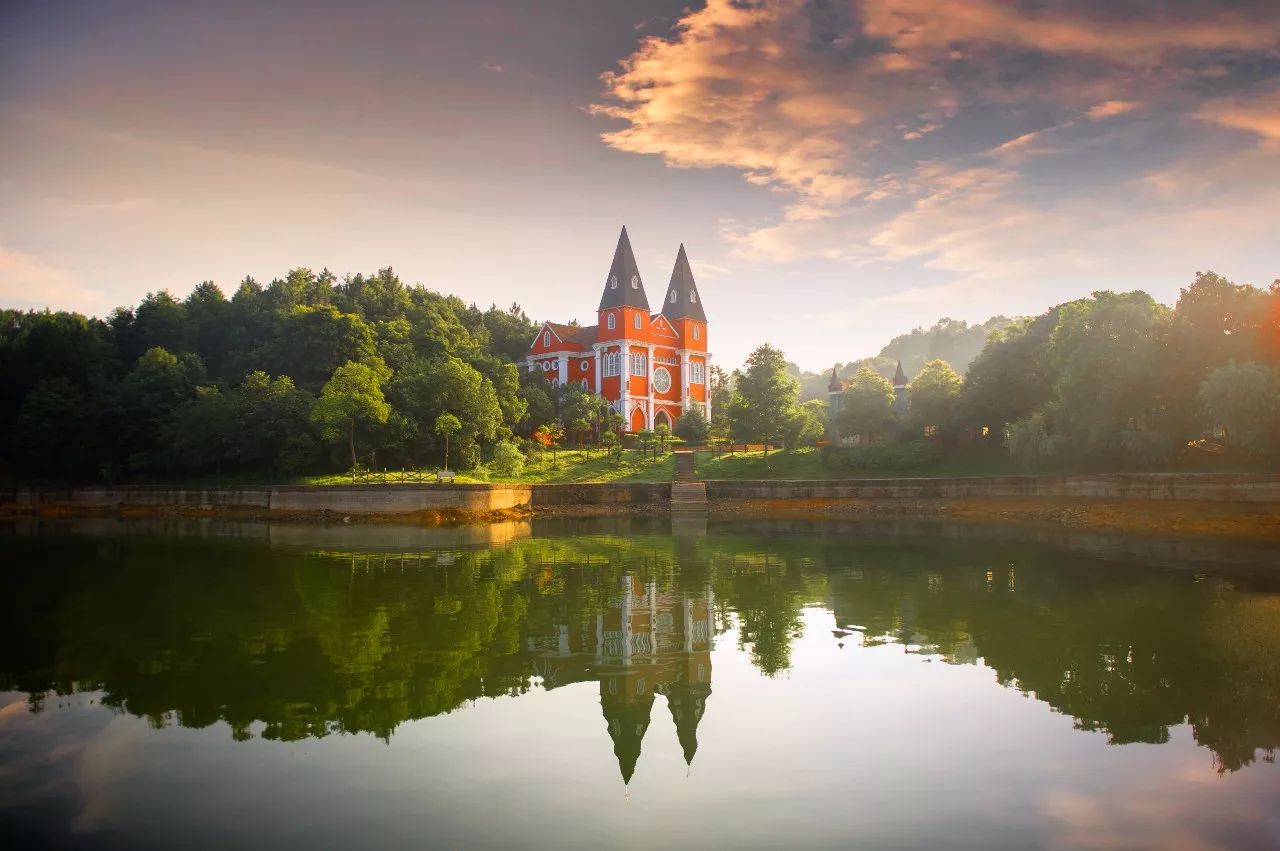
{"x": 623, "y": 303}
{"x": 900, "y": 389}
{"x": 682, "y": 305}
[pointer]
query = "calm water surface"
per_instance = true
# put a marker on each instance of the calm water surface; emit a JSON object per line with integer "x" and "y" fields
{"x": 619, "y": 685}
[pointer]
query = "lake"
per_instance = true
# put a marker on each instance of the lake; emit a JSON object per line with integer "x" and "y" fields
{"x": 621, "y": 683}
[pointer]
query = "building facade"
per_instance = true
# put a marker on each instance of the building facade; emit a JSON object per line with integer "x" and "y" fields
{"x": 652, "y": 367}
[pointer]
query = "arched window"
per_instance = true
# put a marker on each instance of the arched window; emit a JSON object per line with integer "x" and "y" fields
{"x": 546, "y": 339}
{"x": 697, "y": 332}
{"x": 613, "y": 282}
{"x": 637, "y": 322}
{"x": 672, "y": 297}
{"x": 613, "y": 322}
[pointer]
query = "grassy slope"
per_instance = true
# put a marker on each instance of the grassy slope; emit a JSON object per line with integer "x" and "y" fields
{"x": 568, "y": 466}
{"x": 807, "y": 464}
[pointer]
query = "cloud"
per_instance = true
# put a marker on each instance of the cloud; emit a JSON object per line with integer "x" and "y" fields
{"x": 1258, "y": 112}
{"x": 815, "y": 102}
{"x": 1111, "y": 108}
{"x": 492, "y": 66}
{"x": 934, "y": 27}
{"x": 736, "y": 87}
{"x": 30, "y": 280}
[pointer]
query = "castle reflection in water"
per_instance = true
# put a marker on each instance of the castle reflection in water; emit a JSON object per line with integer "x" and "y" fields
{"x": 322, "y": 632}
{"x": 643, "y": 643}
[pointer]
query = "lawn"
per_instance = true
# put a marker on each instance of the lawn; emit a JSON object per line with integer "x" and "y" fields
{"x": 567, "y": 466}
{"x": 593, "y": 466}
{"x": 807, "y": 464}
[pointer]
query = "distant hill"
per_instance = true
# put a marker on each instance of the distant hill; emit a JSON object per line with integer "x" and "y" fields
{"x": 954, "y": 340}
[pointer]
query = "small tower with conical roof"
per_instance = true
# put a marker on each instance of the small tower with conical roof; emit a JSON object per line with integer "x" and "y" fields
{"x": 900, "y": 390}
{"x": 835, "y": 400}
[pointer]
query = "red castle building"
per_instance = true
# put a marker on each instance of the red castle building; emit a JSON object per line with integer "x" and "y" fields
{"x": 651, "y": 366}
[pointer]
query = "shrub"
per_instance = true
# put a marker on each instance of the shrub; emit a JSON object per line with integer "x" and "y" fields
{"x": 469, "y": 457}
{"x": 508, "y": 460}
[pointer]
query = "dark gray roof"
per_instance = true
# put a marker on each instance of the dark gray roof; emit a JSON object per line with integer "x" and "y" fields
{"x": 623, "y": 287}
{"x": 687, "y": 304}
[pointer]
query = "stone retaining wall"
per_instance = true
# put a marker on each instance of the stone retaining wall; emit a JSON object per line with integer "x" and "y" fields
{"x": 601, "y": 493}
{"x": 1209, "y": 487}
{"x": 337, "y": 499}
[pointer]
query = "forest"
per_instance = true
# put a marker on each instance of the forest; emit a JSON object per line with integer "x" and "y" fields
{"x": 1112, "y": 381}
{"x": 307, "y": 373}
{"x": 310, "y": 373}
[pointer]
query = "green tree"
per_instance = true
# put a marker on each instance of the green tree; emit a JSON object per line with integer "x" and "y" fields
{"x": 662, "y": 432}
{"x": 609, "y": 441}
{"x": 866, "y": 406}
{"x": 508, "y": 460}
{"x": 1106, "y": 351}
{"x": 933, "y": 395}
{"x": 1243, "y": 399}
{"x": 313, "y": 341}
{"x": 806, "y": 424}
{"x": 353, "y": 396}
{"x": 1012, "y": 377}
{"x": 201, "y": 432}
{"x": 446, "y": 384}
{"x": 1214, "y": 323}
{"x": 446, "y": 426}
{"x": 766, "y": 397}
{"x": 692, "y": 427}
{"x": 272, "y": 424}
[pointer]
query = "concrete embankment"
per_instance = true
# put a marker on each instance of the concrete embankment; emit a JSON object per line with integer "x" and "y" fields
{"x": 1206, "y": 487}
{"x": 1216, "y": 504}
{"x": 427, "y": 503}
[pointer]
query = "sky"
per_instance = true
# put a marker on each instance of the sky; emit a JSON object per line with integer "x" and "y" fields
{"x": 839, "y": 171}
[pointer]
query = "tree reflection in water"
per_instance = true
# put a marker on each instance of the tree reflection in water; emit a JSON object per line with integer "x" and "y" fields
{"x": 306, "y": 644}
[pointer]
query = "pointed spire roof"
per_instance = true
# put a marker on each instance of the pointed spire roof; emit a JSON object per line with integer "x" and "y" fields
{"x": 687, "y": 702}
{"x": 835, "y": 385}
{"x": 628, "y": 720}
{"x": 623, "y": 287}
{"x": 899, "y": 377}
{"x": 682, "y": 300}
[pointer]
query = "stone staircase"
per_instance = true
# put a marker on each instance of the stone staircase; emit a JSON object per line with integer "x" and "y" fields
{"x": 687, "y": 496}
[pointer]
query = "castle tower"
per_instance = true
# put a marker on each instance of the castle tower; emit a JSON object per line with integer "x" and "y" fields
{"x": 900, "y": 390}
{"x": 835, "y": 400}
{"x": 683, "y": 311}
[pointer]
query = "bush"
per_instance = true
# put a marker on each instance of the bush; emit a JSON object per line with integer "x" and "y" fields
{"x": 469, "y": 457}
{"x": 508, "y": 460}
{"x": 885, "y": 456}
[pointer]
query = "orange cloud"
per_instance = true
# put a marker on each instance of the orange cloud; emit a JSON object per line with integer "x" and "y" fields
{"x": 1259, "y": 113}
{"x": 818, "y": 105}
{"x": 1111, "y": 108}
{"x": 936, "y": 26}
{"x": 736, "y": 88}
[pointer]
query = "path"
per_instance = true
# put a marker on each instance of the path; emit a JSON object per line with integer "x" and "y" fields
{"x": 688, "y": 496}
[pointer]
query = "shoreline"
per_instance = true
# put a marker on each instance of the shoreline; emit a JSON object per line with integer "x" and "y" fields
{"x": 1258, "y": 522}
